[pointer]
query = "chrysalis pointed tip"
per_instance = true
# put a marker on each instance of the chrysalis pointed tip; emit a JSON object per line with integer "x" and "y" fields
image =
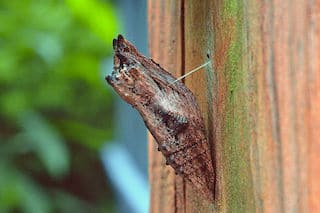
{"x": 120, "y": 37}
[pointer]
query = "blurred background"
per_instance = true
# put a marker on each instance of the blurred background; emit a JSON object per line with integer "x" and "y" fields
{"x": 67, "y": 142}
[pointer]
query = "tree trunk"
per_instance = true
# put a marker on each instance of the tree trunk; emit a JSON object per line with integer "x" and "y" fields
{"x": 260, "y": 100}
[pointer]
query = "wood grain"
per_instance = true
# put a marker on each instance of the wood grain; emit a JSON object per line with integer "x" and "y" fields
{"x": 260, "y": 99}
{"x": 167, "y": 189}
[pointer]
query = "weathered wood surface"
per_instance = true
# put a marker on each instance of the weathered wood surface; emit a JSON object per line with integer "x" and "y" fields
{"x": 165, "y": 47}
{"x": 260, "y": 99}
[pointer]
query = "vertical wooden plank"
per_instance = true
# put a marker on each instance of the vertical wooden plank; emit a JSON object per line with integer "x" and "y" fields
{"x": 232, "y": 88}
{"x": 164, "y": 18}
{"x": 285, "y": 71}
{"x": 197, "y": 37}
{"x": 268, "y": 135}
{"x": 312, "y": 120}
{"x": 260, "y": 100}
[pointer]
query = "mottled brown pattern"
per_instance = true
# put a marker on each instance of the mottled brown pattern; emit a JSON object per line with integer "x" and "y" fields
{"x": 170, "y": 112}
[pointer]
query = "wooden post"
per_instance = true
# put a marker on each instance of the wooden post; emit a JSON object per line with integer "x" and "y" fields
{"x": 260, "y": 100}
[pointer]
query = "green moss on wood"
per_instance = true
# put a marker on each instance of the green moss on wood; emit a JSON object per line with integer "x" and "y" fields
{"x": 237, "y": 172}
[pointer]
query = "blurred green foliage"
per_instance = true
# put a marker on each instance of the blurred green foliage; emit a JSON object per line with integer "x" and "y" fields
{"x": 54, "y": 105}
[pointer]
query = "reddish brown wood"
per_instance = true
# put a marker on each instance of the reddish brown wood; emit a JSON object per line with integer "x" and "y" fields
{"x": 165, "y": 48}
{"x": 260, "y": 99}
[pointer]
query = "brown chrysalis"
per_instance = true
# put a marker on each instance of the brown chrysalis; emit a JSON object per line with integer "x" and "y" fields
{"x": 170, "y": 112}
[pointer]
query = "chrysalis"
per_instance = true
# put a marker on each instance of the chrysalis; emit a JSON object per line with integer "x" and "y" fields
{"x": 170, "y": 112}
